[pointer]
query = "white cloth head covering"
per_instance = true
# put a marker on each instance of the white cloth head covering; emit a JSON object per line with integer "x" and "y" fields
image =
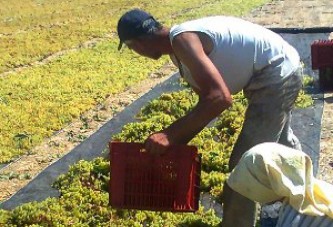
{"x": 271, "y": 171}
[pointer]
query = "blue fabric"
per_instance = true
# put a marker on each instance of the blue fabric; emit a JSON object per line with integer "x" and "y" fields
{"x": 268, "y": 222}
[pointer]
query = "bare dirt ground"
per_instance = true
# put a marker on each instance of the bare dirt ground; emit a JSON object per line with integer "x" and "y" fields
{"x": 294, "y": 14}
{"x": 326, "y": 141}
{"x": 278, "y": 13}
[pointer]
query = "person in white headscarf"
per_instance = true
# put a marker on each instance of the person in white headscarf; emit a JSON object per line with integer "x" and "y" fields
{"x": 271, "y": 172}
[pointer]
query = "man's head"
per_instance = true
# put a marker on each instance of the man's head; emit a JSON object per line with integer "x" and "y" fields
{"x": 134, "y": 24}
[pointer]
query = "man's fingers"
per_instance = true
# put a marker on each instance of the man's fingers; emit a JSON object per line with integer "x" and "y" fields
{"x": 154, "y": 147}
{"x": 157, "y": 143}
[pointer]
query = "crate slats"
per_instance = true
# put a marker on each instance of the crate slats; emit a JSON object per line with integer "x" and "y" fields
{"x": 140, "y": 180}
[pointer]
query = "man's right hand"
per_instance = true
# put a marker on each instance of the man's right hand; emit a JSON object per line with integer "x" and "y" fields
{"x": 157, "y": 143}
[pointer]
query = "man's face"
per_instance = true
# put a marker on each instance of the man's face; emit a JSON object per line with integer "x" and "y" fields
{"x": 143, "y": 47}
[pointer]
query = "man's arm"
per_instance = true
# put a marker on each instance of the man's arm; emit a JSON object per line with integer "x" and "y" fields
{"x": 214, "y": 95}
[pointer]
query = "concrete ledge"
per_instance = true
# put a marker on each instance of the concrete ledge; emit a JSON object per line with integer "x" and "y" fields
{"x": 306, "y": 124}
{"x": 303, "y": 30}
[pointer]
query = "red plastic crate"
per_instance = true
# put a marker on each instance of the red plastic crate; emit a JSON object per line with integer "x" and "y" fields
{"x": 141, "y": 180}
{"x": 322, "y": 54}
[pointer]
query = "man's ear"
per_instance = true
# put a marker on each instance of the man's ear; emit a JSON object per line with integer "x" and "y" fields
{"x": 144, "y": 41}
{"x": 141, "y": 42}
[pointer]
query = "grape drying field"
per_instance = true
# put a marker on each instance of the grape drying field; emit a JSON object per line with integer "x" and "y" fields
{"x": 61, "y": 60}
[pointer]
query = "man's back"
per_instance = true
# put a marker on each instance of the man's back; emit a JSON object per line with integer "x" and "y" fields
{"x": 242, "y": 48}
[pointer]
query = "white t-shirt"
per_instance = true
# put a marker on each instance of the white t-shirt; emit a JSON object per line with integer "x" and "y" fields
{"x": 241, "y": 49}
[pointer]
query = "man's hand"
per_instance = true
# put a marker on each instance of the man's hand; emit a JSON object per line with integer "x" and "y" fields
{"x": 157, "y": 143}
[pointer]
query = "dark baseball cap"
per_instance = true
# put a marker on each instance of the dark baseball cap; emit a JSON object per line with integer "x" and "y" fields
{"x": 133, "y": 24}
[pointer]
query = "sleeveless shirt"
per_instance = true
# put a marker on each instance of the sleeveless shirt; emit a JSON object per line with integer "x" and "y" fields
{"x": 241, "y": 50}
